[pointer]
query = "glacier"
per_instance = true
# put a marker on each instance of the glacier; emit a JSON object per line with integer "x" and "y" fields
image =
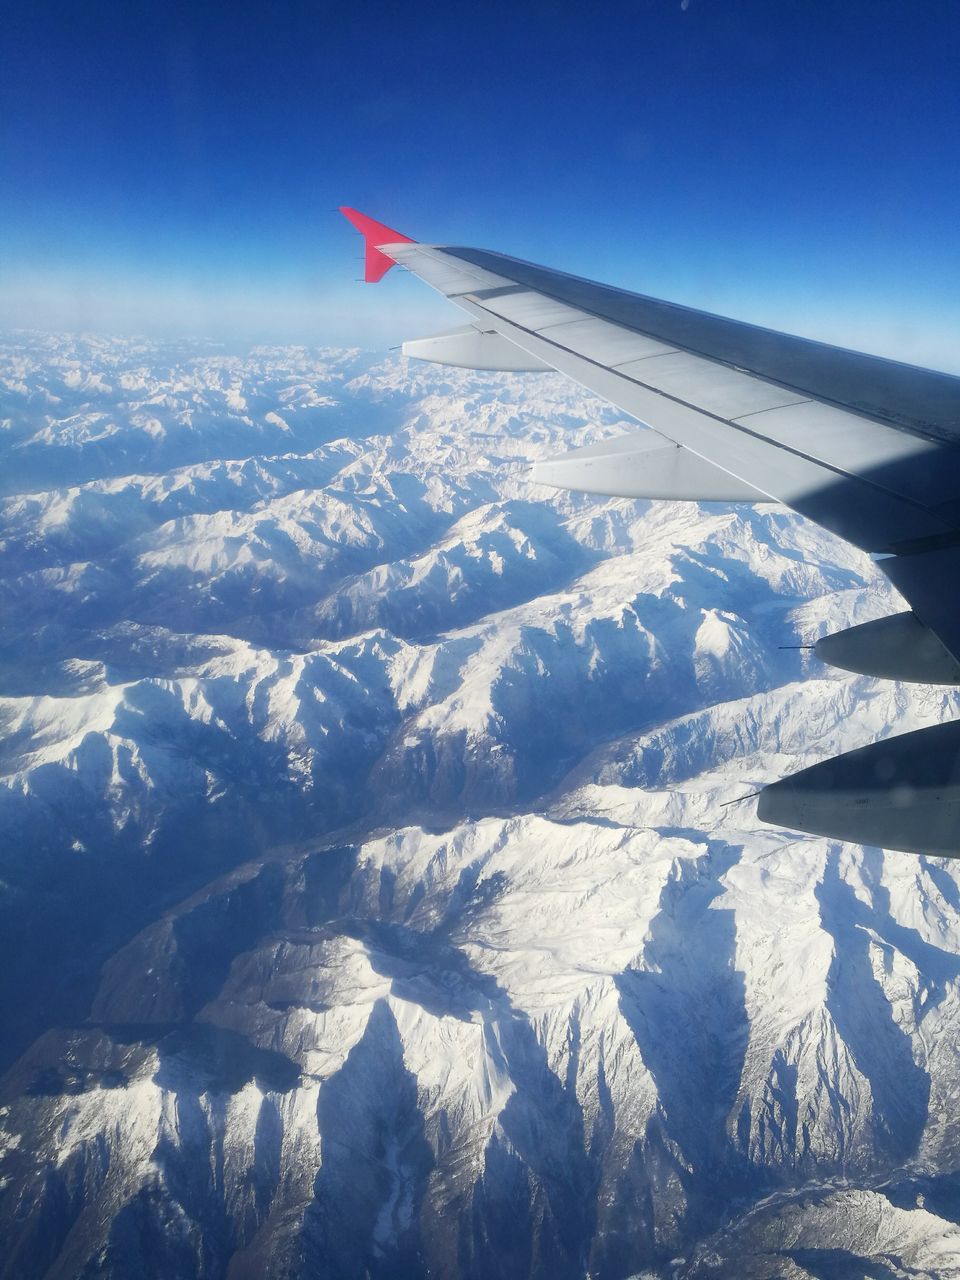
{"x": 379, "y": 892}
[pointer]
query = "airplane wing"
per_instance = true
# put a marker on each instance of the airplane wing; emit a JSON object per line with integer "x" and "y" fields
{"x": 868, "y": 448}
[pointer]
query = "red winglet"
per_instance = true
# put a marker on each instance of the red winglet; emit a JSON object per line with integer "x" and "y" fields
{"x": 375, "y": 234}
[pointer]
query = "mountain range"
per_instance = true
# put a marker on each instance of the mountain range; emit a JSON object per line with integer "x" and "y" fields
{"x": 380, "y": 894}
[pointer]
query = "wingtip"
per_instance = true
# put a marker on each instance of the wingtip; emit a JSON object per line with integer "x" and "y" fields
{"x": 374, "y": 233}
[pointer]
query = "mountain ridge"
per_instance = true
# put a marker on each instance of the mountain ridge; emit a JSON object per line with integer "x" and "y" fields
{"x": 372, "y": 901}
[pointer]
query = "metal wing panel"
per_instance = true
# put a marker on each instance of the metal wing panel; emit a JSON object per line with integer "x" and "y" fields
{"x": 928, "y": 581}
{"x": 901, "y": 793}
{"x": 443, "y": 272}
{"x": 608, "y": 344}
{"x": 713, "y": 387}
{"x": 864, "y": 486}
{"x": 850, "y": 506}
{"x": 924, "y": 401}
{"x": 864, "y": 446}
{"x": 524, "y": 307}
{"x": 473, "y": 348}
{"x": 643, "y": 464}
{"x": 908, "y": 465}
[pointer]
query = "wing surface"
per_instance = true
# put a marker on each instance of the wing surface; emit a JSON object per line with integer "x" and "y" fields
{"x": 869, "y": 448}
{"x": 786, "y": 416}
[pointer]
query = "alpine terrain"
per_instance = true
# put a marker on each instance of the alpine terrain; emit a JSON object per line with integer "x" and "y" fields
{"x": 378, "y": 894}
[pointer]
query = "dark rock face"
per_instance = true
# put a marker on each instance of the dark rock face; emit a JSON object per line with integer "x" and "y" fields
{"x": 369, "y": 905}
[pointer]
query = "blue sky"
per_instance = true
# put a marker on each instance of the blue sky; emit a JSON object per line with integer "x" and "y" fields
{"x": 174, "y": 168}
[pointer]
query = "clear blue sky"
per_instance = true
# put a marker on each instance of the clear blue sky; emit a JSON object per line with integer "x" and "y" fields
{"x": 175, "y": 167}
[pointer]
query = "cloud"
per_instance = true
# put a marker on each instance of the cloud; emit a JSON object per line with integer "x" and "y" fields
{"x": 343, "y": 312}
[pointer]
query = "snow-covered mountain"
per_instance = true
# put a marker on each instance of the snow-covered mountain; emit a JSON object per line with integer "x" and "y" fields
{"x": 371, "y": 899}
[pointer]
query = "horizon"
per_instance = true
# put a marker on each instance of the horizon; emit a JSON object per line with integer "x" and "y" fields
{"x": 177, "y": 175}
{"x": 493, "y": 820}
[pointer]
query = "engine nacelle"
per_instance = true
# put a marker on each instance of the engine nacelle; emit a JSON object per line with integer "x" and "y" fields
{"x": 896, "y": 648}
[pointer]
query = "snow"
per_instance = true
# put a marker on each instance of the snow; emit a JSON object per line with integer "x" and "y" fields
{"x": 413, "y": 782}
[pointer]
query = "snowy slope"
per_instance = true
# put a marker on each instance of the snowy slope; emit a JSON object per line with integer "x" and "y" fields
{"x": 371, "y": 899}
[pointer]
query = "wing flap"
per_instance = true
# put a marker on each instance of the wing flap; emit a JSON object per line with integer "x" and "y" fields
{"x": 923, "y": 401}
{"x": 927, "y": 580}
{"x": 868, "y": 448}
{"x": 524, "y": 307}
{"x": 902, "y": 793}
{"x": 853, "y": 490}
{"x": 725, "y": 392}
{"x": 643, "y": 464}
{"x": 865, "y": 514}
{"x": 897, "y": 647}
{"x": 473, "y": 348}
{"x": 609, "y": 344}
